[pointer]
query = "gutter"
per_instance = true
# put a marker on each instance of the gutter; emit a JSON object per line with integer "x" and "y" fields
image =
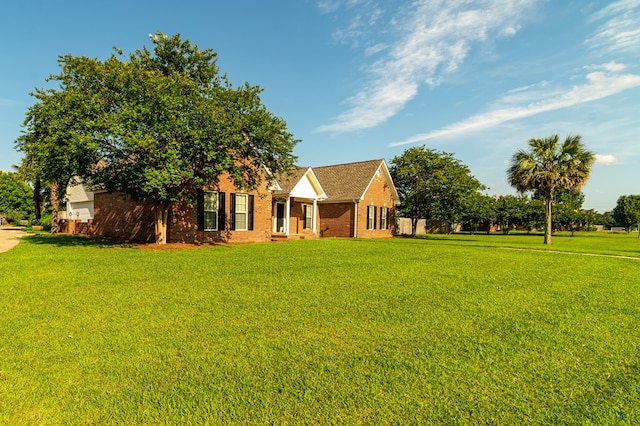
{"x": 355, "y": 219}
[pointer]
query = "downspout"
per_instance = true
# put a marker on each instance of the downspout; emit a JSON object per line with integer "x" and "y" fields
{"x": 355, "y": 219}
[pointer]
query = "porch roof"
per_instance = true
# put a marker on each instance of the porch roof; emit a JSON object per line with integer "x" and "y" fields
{"x": 302, "y": 183}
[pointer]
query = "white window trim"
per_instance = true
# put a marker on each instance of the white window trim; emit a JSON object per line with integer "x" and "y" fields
{"x": 307, "y": 208}
{"x": 384, "y": 212}
{"x": 215, "y": 228}
{"x": 245, "y": 212}
{"x": 371, "y": 217}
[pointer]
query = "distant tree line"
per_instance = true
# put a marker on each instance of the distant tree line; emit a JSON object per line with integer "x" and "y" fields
{"x": 435, "y": 186}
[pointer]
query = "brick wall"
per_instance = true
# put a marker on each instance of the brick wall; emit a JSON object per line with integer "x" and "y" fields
{"x": 378, "y": 195}
{"x": 117, "y": 216}
{"x": 183, "y": 221}
{"x": 296, "y": 220}
{"x": 336, "y": 219}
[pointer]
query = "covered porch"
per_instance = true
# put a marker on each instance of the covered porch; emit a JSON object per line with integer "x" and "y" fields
{"x": 295, "y": 206}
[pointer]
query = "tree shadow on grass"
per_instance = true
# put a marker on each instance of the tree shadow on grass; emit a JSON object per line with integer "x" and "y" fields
{"x": 67, "y": 240}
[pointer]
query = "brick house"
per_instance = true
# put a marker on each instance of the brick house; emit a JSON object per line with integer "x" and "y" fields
{"x": 361, "y": 200}
{"x": 347, "y": 200}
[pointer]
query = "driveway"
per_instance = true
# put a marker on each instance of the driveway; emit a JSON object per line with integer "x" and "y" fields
{"x": 9, "y": 237}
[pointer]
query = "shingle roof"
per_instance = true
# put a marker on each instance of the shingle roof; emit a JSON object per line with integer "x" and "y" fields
{"x": 288, "y": 181}
{"x": 346, "y": 181}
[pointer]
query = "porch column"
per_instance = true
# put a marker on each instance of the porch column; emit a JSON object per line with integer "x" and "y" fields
{"x": 314, "y": 219}
{"x": 287, "y": 216}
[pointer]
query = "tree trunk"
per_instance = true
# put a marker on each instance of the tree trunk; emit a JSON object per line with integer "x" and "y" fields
{"x": 37, "y": 204}
{"x": 414, "y": 226}
{"x": 548, "y": 223}
{"x": 161, "y": 216}
{"x": 55, "y": 207}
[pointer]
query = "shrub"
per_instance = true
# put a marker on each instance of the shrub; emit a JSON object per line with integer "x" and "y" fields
{"x": 45, "y": 221}
{"x": 14, "y": 217}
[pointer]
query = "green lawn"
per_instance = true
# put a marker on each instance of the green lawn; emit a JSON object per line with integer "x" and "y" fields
{"x": 442, "y": 330}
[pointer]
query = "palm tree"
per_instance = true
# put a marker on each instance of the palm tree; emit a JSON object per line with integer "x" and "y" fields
{"x": 549, "y": 166}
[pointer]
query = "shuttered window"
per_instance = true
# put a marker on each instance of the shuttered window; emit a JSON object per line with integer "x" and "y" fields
{"x": 384, "y": 212}
{"x": 371, "y": 217}
{"x": 210, "y": 211}
{"x": 241, "y": 214}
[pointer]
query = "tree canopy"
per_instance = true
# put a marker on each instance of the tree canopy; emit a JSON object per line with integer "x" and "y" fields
{"x": 549, "y": 166}
{"x": 627, "y": 211}
{"x": 156, "y": 125}
{"x": 15, "y": 194}
{"x": 433, "y": 185}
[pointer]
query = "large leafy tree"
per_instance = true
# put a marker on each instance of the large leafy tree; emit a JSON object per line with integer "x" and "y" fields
{"x": 432, "y": 185}
{"x": 157, "y": 125}
{"x": 549, "y": 166}
{"x": 15, "y": 194}
{"x": 58, "y": 143}
{"x": 627, "y": 211}
{"x": 568, "y": 210}
{"x": 509, "y": 211}
{"x": 479, "y": 212}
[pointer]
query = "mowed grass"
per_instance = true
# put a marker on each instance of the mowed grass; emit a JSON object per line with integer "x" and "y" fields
{"x": 440, "y": 330}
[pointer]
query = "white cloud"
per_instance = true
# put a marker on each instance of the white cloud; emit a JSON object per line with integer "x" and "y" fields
{"x": 612, "y": 66}
{"x": 434, "y": 39}
{"x": 509, "y": 31}
{"x": 606, "y": 159}
{"x": 621, "y": 30}
{"x": 600, "y": 84}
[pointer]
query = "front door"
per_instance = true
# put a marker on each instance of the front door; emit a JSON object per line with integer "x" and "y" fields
{"x": 280, "y": 217}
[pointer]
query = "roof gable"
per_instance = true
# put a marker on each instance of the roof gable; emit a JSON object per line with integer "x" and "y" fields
{"x": 301, "y": 183}
{"x": 351, "y": 181}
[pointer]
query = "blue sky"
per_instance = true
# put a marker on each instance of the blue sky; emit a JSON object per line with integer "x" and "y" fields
{"x": 363, "y": 79}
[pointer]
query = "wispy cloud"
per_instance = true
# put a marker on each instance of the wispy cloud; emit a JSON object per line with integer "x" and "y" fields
{"x": 433, "y": 38}
{"x": 621, "y": 30}
{"x": 4, "y": 102}
{"x": 606, "y": 159}
{"x": 599, "y": 84}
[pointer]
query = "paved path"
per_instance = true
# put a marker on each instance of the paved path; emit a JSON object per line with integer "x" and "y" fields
{"x": 9, "y": 237}
{"x": 572, "y": 252}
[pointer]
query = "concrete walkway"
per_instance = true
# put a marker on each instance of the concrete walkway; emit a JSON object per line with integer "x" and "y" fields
{"x": 9, "y": 237}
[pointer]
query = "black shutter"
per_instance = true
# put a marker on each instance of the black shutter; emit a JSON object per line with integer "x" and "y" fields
{"x": 375, "y": 214}
{"x": 200, "y": 209}
{"x": 388, "y": 218}
{"x": 221, "y": 218}
{"x": 232, "y": 211}
{"x": 381, "y": 214}
{"x": 368, "y": 216}
{"x": 250, "y": 214}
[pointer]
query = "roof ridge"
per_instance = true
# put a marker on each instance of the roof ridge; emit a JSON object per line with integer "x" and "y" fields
{"x": 348, "y": 164}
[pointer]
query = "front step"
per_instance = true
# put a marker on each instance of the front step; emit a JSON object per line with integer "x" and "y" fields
{"x": 283, "y": 237}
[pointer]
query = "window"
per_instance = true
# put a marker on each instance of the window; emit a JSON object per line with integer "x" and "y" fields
{"x": 241, "y": 215}
{"x": 241, "y": 212}
{"x": 371, "y": 217}
{"x": 383, "y": 217}
{"x": 210, "y": 211}
{"x": 308, "y": 216}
